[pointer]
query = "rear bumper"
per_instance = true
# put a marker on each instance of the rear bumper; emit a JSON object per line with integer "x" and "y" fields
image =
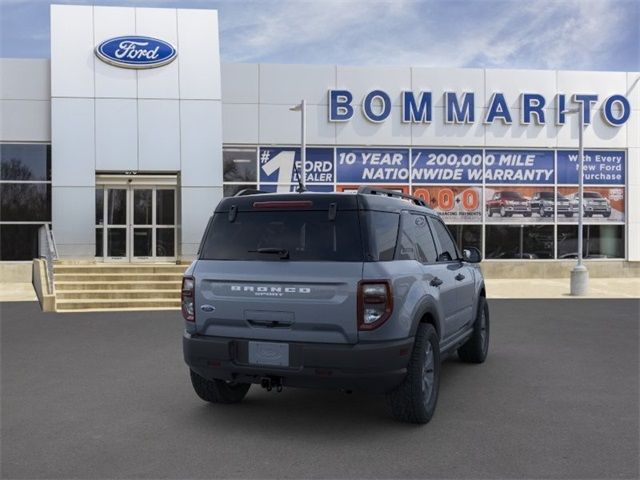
{"x": 373, "y": 367}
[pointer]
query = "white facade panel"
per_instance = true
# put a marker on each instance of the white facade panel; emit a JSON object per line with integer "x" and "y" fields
{"x": 240, "y": 83}
{"x": 440, "y": 80}
{"x": 110, "y": 81}
{"x": 633, "y": 242}
{"x": 116, "y": 134}
{"x": 279, "y": 125}
{"x": 73, "y": 142}
{"x": 73, "y": 215}
{"x": 240, "y": 123}
{"x": 289, "y": 84}
{"x": 158, "y": 82}
{"x": 440, "y": 133}
{"x": 362, "y": 80}
{"x": 72, "y": 55}
{"x": 319, "y": 130}
{"x": 360, "y": 131}
{"x": 201, "y": 148}
{"x": 633, "y": 168}
{"x": 158, "y": 135}
{"x": 633, "y": 89}
{"x": 633, "y": 129}
{"x": 518, "y": 135}
{"x": 25, "y": 121}
{"x": 602, "y": 84}
{"x": 25, "y": 79}
{"x": 199, "y": 55}
{"x": 198, "y": 204}
{"x": 512, "y": 83}
{"x": 598, "y": 134}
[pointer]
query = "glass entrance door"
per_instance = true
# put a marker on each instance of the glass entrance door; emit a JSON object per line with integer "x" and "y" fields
{"x": 136, "y": 223}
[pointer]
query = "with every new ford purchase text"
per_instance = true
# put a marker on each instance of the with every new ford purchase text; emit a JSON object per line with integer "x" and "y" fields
{"x": 364, "y": 291}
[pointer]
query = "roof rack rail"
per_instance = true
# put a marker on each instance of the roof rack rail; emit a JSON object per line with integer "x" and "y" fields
{"x": 248, "y": 191}
{"x": 369, "y": 190}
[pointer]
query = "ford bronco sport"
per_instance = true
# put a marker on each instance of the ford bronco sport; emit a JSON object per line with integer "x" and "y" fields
{"x": 363, "y": 291}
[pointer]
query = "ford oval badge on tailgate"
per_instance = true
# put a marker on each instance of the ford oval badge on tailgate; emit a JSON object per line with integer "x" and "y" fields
{"x": 136, "y": 51}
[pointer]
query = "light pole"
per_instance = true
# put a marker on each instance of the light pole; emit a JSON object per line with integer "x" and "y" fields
{"x": 301, "y": 107}
{"x": 579, "y": 273}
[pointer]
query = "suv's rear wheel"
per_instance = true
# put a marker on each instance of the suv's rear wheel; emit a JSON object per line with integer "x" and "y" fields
{"x": 414, "y": 400}
{"x": 476, "y": 348}
{"x": 218, "y": 391}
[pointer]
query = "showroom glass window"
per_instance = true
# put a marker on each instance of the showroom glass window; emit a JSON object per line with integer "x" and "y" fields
{"x": 25, "y": 198}
{"x": 240, "y": 169}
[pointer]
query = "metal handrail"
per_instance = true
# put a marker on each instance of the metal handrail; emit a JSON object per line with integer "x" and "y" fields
{"x": 48, "y": 250}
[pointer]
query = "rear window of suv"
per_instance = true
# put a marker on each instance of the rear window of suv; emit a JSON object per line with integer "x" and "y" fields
{"x": 284, "y": 235}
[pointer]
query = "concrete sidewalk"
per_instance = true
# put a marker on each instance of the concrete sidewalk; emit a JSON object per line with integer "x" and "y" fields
{"x": 559, "y": 288}
{"x": 496, "y": 288}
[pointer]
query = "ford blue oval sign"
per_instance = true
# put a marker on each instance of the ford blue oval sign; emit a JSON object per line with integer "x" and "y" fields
{"x": 135, "y": 51}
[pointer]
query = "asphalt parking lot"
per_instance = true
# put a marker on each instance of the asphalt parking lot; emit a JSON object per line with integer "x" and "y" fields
{"x": 107, "y": 396}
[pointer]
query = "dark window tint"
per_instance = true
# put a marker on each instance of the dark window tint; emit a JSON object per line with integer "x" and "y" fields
{"x": 448, "y": 250}
{"x": 239, "y": 164}
{"x": 165, "y": 206}
{"x": 116, "y": 206}
{"x": 598, "y": 241}
{"x": 382, "y": 234}
{"x": 99, "y": 241}
{"x": 18, "y": 242}
{"x": 467, "y": 236}
{"x": 25, "y": 202}
{"x": 416, "y": 241}
{"x": 519, "y": 241}
{"x": 25, "y": 162}
{"x": 231, "y": 190}
{"x": 99, "y": 207}
{"x": 303, "y": 235}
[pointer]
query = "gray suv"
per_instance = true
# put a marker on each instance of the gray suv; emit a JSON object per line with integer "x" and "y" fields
{"x": 363, "y": 291}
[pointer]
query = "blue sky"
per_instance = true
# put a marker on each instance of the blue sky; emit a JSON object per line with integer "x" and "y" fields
{"x": 546, "y": 34}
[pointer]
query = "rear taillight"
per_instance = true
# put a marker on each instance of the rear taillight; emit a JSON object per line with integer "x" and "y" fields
{"x": 375, "y": 303}
{"x": 187, "y": 299}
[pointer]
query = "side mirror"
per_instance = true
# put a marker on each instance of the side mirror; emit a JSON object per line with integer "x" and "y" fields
{"x": 471, "y": 255}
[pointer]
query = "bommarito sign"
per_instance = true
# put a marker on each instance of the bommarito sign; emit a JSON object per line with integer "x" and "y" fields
{"x": 417, "y": 107}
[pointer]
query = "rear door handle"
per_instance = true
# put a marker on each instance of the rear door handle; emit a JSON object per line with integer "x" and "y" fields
{"x": 436, "y": 282}
{"x": 460, "y": 277}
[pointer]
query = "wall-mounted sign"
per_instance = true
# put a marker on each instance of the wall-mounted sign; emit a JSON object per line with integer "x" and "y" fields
{"x": 281, "y": 165}
{"x": 601, "y": 167}
{"x": 460, "y": 108}
{"x": 134, "y": 51}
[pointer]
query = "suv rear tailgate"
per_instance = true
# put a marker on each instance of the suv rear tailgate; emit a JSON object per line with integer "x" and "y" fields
{"x": 302, "y": 301}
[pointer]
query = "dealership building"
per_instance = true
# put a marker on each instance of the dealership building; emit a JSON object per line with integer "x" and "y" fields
{"x": 124, "y": 141}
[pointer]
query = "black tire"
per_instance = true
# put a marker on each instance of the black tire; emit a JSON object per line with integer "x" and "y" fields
{"x": 475, "y": 349}
{"x": 414, "y": 401}
{"x": 542, "y": 212}
{"x": 527, "y": 214}
{"x": 606, "y": 214}
{"x": 218, "y": 391}
{"x": 568, "y": 215}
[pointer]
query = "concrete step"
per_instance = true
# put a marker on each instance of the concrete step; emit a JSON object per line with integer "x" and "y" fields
{"x": 64, "y": 305}
{"x": 97, "y": 284}
{"x": 129, "y": 268}
{"x": 118, "y": 277}
{"x": 117, "y": 294}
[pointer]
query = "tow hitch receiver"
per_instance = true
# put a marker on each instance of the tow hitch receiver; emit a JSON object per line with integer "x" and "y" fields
{"x": 269, "y": 383}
